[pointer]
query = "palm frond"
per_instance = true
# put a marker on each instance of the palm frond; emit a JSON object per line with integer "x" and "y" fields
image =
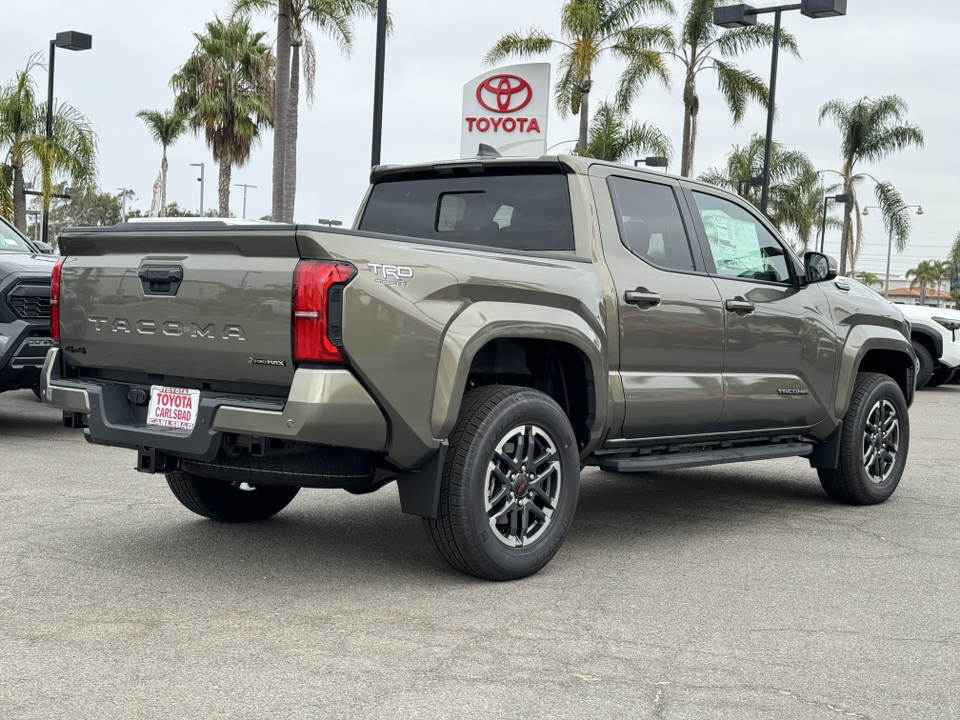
{"x": 535, "y": 42}
{"x": 732, "y": 43}
{"x": 738, "y": 87}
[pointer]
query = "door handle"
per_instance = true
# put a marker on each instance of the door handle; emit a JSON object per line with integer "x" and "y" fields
{"x": 642, "y": 296}
{"x": 740, "y": 306}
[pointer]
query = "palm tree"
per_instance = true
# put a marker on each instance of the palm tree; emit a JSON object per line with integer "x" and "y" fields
{"x": 869, "y": 279}
{"x": 164, "y": 127}
{"x": 796, "y": 193}
{"x": 925, "y": 274}
{"x": 71, "y": 152}
{"x": 953, "y": 262}
{"x": 591, "y": 28}
{"x": 869, "y": 131}
{"x": 332, "y": 17}
{"x": 614, "y": 138}
{"x": 701, "y": 46}
{"x": 6, "y": 194}
{"x": 225, "y": 90}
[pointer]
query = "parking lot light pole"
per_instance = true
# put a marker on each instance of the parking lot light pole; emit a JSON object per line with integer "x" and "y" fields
{"x": 378, "y": 82}
{"x": 69, "y": 40}
{"x": 245, "y": 186}
{"x": 736, "y": 16}
{"x": 866, "y": 211}
{"x": 652, "y": 161}
{"x": 823, "y": 223}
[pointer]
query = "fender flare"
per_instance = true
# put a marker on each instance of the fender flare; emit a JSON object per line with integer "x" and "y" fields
{"x": 482, "y": 322}
{"x": 861, "y": 340}
{"x": 932, "y": 335}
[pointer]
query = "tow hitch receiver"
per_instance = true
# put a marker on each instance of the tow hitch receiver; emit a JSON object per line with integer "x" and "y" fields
{"x": 151, "y": 461}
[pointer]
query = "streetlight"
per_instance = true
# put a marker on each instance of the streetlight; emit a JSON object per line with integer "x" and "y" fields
{"x": 244, "y": 186}
{"x": 749, "y": 182}
{"x": 652, "y": 161}
{"x": 886, "y": 287}
{"x": 329, "y": 223}
{"x": 734, "y": 16}
{"x": 847, "y": 198}
{"x": 69, "y": 40}
{"x": 200, "y": 165}
{"x": 378, "y": 81}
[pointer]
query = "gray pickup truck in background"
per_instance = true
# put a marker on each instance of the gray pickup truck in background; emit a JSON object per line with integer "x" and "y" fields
{"x": 488, "y": 328}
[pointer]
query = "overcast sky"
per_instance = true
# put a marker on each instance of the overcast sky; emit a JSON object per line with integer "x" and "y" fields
{"x": 437, "y": 45}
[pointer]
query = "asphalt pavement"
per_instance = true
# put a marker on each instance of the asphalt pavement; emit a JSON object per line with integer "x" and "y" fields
{"x": 734, "y": 592}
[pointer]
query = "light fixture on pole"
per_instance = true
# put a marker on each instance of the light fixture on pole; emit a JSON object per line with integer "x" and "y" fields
{"x": 329, "y": 223}
{"x": 901, "y": 209}
{"x": 69, "y": 40}
{"x": 244, "y": 186}
{"x": 200, "y": 165}
{"x": 736, "y": 16}
{"x": 749, "y": 182}
{"x": 652, "y": 161}
{"x": 845, "y": 198}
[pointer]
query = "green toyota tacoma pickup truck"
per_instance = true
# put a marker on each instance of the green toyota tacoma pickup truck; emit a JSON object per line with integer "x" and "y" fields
{"x": 488, "y": 328}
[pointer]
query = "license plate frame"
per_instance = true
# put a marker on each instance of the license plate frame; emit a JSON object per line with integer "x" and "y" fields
{"x": 173, "y": 408}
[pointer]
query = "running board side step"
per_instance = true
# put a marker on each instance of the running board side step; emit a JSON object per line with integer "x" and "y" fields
{"x": 677, "y": 461}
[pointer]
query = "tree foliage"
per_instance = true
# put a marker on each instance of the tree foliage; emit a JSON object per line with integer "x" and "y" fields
{"x": 296, "y": 51}
{"x": 70, "y": 155}
{"x": 703, "y": 47}
{"x": 796, "y": 189}
{"x": 225, "y": 90}
{"x": 590, "y": 29}
{"x": 926, "y": 275}
{"x": 614, "y": 138}
{"x": 165, "y": 126}
{"x": 870, "y": 130}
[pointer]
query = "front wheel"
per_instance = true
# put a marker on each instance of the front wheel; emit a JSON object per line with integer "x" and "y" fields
{"x": 924, "y": 363}
{"x": 873, "y": 443}
{"x": 232, "y": 502}
{"x": 509, "y": 486}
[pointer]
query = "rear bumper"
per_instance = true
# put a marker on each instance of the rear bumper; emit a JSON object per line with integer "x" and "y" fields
{"x": 324, "y": 407}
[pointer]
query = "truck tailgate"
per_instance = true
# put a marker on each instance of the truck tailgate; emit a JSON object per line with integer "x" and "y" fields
{"x": 184, "y": 302}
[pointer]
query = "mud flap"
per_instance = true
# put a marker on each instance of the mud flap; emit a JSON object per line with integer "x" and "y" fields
{"x": 827, "y": 455}
{"x": 420, "y": 489}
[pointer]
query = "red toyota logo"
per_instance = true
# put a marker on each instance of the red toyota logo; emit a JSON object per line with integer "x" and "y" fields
{"x": 511, "y": 93}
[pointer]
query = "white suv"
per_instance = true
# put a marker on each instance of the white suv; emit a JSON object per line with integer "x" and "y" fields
{"x": 936, "y": 342}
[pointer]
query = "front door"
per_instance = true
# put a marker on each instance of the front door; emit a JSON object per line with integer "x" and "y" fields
{"x": 671, "y": 319}
{"x": 780, "y": 354}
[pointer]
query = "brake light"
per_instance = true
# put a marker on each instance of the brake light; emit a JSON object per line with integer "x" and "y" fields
{"x": 318, "y": 310}
{"x": 55, "y": 301}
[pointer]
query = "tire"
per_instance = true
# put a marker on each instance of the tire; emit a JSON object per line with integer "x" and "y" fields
{"x": 941, "y": 376}
{"x": 486, "y": 470}
{"x": 226, "y": 501}
{"x": 925, "y": 358}
{"x": 867, "y": 476}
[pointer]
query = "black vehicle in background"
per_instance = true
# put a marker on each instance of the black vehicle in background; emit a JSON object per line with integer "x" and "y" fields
{"x": 24, "y": 309}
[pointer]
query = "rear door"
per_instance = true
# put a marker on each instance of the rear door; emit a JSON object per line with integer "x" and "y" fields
{"x": 780, "y": 351}
{"x": 670, "y": 316}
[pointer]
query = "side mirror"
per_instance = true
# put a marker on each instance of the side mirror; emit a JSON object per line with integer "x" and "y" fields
{"x": 819, "y": 267}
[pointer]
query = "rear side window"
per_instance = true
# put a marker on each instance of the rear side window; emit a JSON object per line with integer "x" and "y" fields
{"x": 518, "y": 212}
{"x": 650, "y": 223}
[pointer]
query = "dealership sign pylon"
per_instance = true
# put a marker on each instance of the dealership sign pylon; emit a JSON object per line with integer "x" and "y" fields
{"x": 507, "y": 109}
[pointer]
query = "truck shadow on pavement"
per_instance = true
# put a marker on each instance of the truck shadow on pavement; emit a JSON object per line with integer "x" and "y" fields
{"x": 324, "y": 537}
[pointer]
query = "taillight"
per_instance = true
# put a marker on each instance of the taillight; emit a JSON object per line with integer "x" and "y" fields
{"x": 55, "y": 301}
{"x": 318, "y": 310}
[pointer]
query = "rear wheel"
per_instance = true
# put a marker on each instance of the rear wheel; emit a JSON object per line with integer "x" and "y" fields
{"x": 232, "y": 502}
{"x": 873, "y": 444}
{"x": 925, "y": 360}
{"x": 510, "y": 484}
{"x": 941, "y": 376}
